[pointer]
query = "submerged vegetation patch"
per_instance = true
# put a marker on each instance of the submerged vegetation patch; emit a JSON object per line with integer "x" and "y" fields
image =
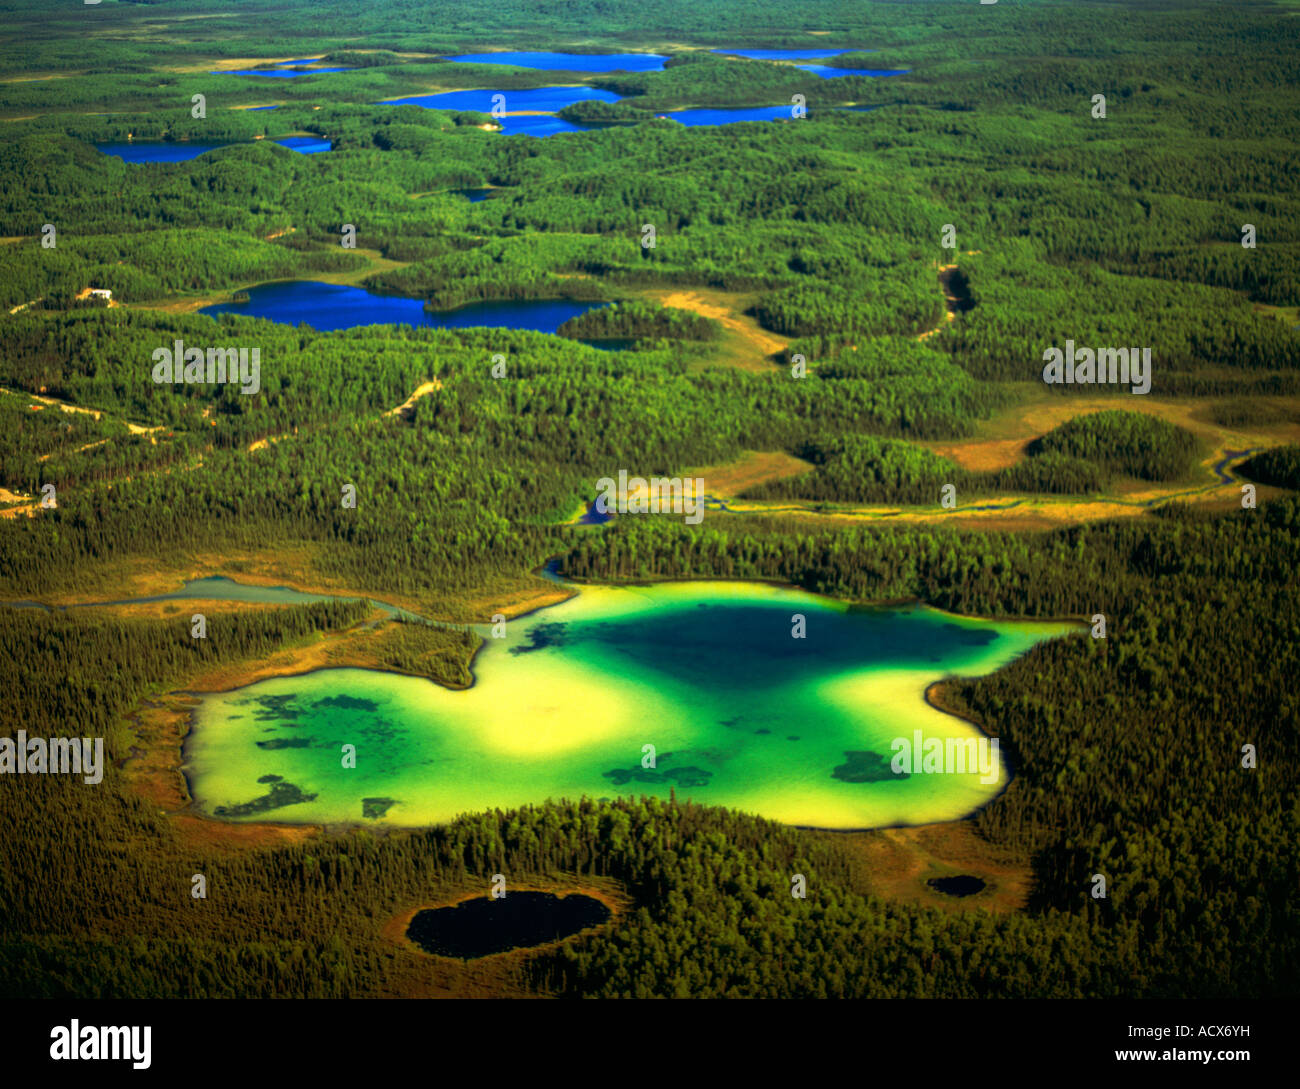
{"x": 347, "y": 703}
{"x": 866, "y": 767}
{"x": 688, "y": 776}
{"x": 374, "y": 808}
{"x": 280, "y": 795}
{"x": 541, "y": 637}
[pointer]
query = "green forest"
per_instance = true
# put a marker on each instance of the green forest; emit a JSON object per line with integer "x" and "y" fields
{"x": 869, "y": 289}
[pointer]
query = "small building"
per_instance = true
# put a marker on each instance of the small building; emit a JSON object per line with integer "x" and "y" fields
{"x": 101, "y": 293}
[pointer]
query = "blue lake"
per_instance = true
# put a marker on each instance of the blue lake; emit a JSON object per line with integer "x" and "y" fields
{"x": 140, "y": 151}
{"x": 543, "y": 99}
{"x": 827, "y": 72}
{"x": 157, "y": 152}
{"x": 692, "y": 118}
{"x": 786, "y": 54}
{"x": 571, "y": 62}
{"x": 539, "y": 125}
{"x": 308, "y": 145}
{"x": 326, "y": 307}
{"x": 473, "y": 195}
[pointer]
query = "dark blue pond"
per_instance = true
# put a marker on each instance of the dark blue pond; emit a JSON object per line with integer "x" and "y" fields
{"x": 326, "y": 307}
{"x": 594, "y": 516}
{"x": 827, "y": 72}
{"x": 571, "y": 62}
{"x": 308, "y": 145}
{"x": 158, "y": 152}
{"x": 473, "y": 195}
{"x": 786, "y": 54}
{"x": 545, "y": 99}
{"x": 538, "y": 124}
{"x": 962, "y": 885}
{"x": 483, "y": 926}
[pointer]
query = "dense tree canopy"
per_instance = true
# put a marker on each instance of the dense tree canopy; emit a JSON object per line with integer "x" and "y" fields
{"x": 889, "y": 270}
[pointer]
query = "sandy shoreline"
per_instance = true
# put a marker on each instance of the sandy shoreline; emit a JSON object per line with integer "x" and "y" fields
{"x": 163, "y": 722}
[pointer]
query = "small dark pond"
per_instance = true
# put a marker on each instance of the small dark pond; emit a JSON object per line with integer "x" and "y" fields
{"x": 961, "y": 885}
{"x": 479, "y": 927}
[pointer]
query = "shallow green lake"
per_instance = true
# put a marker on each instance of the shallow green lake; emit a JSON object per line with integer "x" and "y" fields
{"x": 739, "y": 712}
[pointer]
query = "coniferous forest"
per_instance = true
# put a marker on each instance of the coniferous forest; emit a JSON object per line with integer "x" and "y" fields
{"x": 839, "y": 319}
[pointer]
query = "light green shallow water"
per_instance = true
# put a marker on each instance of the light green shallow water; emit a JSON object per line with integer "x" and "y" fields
{"x": 740, "y": 714}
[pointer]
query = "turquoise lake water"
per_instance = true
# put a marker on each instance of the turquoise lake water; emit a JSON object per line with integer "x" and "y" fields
{"x": 738, "y": 711}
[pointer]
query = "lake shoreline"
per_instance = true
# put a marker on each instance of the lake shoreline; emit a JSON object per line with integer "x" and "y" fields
{"x": 166, "y": 740}
{"x": 933, "y": 697}
{"x": 326, "y": 306}
{"x": 347, "y": 650}
{"x": 882, "y": 604}
{"x": 862, "y": 708}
